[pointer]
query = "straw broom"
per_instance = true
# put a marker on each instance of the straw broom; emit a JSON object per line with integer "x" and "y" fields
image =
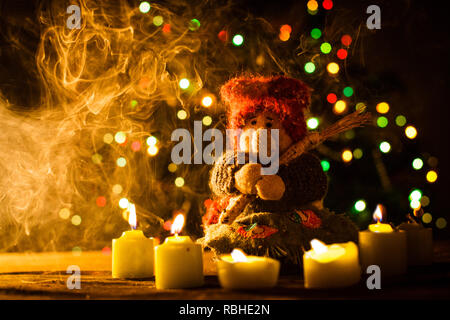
{"x": 311, "y": 141}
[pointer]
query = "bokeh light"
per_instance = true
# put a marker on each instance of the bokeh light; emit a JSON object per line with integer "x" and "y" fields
{"x": 427, "y": 218}
{"x": 76, "y": 220}
{"x": 144, "y": 7}
{"x": 172, "y": 167}
{"x": 284, "y": 36}
{"x": 411, "y": 132}
{"x": 151, "y": 141}
{"x": 312, "y": 123}
{"x": 97, "y": 158}
{"x": 325, "y": 165}
{"x": 310, "y": 67}
{"x": 207, "y": 120}
{"x": 153, "y": 150}
{"x": 133, "y": 103}
{"x": 108, "y": 138}
{"x": 238, "y": 40}
{"x": 347, "y": 155}
{"x": 400, "y": 120}
{"x": 416, "y": 194}
{"x": 349, "y": 134}
{"x": 64, "y": 213}
{"x": 184, "y": 83}
{"x": 316, "y": 33}
{"x": 223, "y": 36}
{"x": 207, "y": 101}
{"x": 194, "y": 24}
{"x": 101, "y": 201}
{"x": 312, "y": 5}
{"x": 415, "y": 204}
{"x": 357, "y": 153}
{"x": 121, "y": 162}
{"x": 347, "y": 91}
{"x": 166, "y": 28}
{"x": 432, "y": 161}
{"x": 382, "y": 122}
{"x": 346, "y": 40}
{"x": 123, "y": 203}
{"x": 342, "y": 54}
{"x": 333, "y": 68}
{"x": 360, "y": 205}
{"x": 331, "y": 98}
{"x": 136, "y": 146}
{"x": 325, "y": 47}
{"x": 327, "y": 4}
{"x": 179, "y": 182}
{"x": 117, "y": 189}
{"x": 286, "y": 28}
{"x": 441, "y": 223}
{"x": 158, "y": 21}
{"x": 120, "y": 137}
{"x": 424, "y": 201}
{"x": 417, "y": 164}
{"x": 385, "y": 147}
{"x": 360, "y": 105}
{"x": 340, "y": 106}
{"x": 382, "y": 107}
{"x": 432, "y": 176}
{"x": 181, "y": 114}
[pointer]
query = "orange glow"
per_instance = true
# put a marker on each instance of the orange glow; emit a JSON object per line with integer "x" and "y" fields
{"x": 132, "y": 221}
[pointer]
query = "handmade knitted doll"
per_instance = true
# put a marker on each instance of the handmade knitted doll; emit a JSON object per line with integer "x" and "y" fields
{"x": 282, "y": 212}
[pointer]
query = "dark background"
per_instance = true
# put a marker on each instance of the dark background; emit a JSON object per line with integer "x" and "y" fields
{"x": 411, "y": 50}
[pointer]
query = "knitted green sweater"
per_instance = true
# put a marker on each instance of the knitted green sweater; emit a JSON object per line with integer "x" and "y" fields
{"x": 284, "y": 228}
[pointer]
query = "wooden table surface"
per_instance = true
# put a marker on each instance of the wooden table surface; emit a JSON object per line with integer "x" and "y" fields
{"x": 43, "y": 276}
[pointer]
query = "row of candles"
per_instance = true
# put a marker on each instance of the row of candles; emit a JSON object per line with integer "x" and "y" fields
{"x": 178, "y": 262}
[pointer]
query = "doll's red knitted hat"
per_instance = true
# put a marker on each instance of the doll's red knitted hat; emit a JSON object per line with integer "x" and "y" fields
{"x": 287, "y": 97}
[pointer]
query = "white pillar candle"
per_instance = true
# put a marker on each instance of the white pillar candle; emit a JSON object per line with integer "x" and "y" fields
{"x": 178, "y": 261}
{"x": 331, "y": 266}
{"x": 381, "y": 245}
{"x": 419, "y": 243}
{"x": 238, "y": 271}
{"x": 132, "y": 253}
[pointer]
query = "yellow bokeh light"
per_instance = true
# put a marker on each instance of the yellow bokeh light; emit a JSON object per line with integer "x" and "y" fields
{"x": 312, "y": 5}
{"x": 207, "y": 101}
{"x": 207, "y": 120}
{"x": 121, "y": 162}
{"x": 432, "y": 176}
{"x": 64, "y": 213}
{"x": 441, "y": 223}
{"x": 151, "y": 141}
{"x": 117, "y": 189}
{"x": 76, "y": 220}
{"x": 172, "y": 167}
{"x": 182, "y": 114}
{"x": 333, "y": 67}
{"x": 411, "y": 132}
{"x": 339, "y": 106}
{"x": 108, "y": 138}
{"x": 427, "y": 218}
{"x": 152, "y": 150}
{"x": 383, "y": 107}
{"x": 347, "y": 155}
{"x": 97, "y": 158}
{"x": 179, "y": 182}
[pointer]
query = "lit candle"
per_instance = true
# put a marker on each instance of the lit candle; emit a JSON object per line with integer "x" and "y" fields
{"x": 238, "y": 271}
{"x": 132, "y": 253}
{"x": 331, "y": 266}
{"x": 419, "y": 241}
{"x": 383, "y": 246}
{"x": 178, "y": 261}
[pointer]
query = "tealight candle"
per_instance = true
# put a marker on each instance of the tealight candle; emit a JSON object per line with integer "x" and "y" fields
{"x": 238, "y": 271}
{"x": 132, "y": 253}
{"x": 383, "y": 246}
{"x": 178, "y": 261}
{"x": 331, "y": 266}
{"x": 419, "y": 243}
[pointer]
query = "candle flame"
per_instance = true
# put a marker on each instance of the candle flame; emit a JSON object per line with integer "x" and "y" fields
{"x": 318, "y": 246}
{"x": 177, "y": 224}
{"x": 378, "y": 213}
{"x": 238, "y": 255}
{"x": 132, "y": 216}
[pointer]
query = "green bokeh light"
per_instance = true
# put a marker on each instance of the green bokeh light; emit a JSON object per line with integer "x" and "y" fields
{"x": 238, "y": 40}
{"x": 385, "y": 147}
{"x": 310, "y": 67}
{"x": 325, "y": 165}
{"x": 348, "y": 91}
{"x": 194, "y": 24}
{"x": 360, "y": 205}
{"x": 357, "y": 153}
{"x": 312, "y": 123}
{"x": 400, "y": 120}
{"x": 325, "y": 47}
{"x": 316, "y": 33}
{"x": 158, "y": 20}
{"x": 382, "y": 122}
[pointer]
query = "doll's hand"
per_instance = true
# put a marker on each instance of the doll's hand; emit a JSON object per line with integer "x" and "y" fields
{"x": 270, "y": 187}
{"x": 247, "y": 177}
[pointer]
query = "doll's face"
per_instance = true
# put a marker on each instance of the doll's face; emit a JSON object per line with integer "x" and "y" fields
{"x": 251, "y": 132}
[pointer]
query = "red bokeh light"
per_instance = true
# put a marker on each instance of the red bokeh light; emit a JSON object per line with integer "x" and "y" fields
{"x": 346, "y": 40}
{"x": 285, "y": 28}
{"x": 331, "y": 98}
{"x": 136, "y": 146}
{"x": 101, "y": 201}
{"x": 327, "y": 4}
{"x": 223, "y": 36}
{"x": 342, "y": 54}
{"x": 166, "y": 28}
